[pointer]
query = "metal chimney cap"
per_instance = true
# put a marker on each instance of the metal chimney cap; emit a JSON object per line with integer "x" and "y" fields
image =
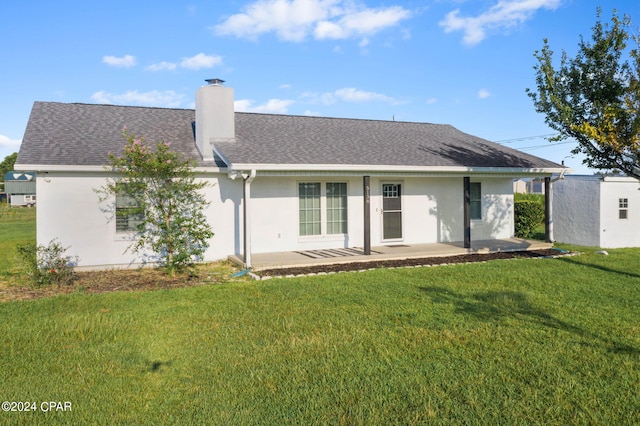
{"x": 215, "y": 81}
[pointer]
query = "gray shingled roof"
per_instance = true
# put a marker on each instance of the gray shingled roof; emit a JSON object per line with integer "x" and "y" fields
{"x": 286, "y": 139}
{"x": 84, "y": 134}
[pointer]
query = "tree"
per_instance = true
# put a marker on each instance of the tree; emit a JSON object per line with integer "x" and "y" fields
{"x": 594, "y": 97}
{"x": 167, "y": 198}
{"x": 7, "y": 164}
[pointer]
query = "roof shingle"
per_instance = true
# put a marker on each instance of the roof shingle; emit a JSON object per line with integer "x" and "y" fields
{"x": 84, "y": 134}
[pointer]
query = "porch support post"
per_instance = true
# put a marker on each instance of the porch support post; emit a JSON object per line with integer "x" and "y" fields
{"x": 467, "y": 212}
{"x": 548, "y": 210}
{"x": 366, "y": 191}
{"x": 246, "y": 213}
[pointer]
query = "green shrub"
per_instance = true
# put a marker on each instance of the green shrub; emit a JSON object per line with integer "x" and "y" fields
{"x": 537, "y": 198}
{"x": 528, "y": 215}
{"x": 46, "y": 265}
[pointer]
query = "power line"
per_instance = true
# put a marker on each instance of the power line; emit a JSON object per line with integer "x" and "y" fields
{"x": 525, "y": 138}
{"x": 544, "y": 146}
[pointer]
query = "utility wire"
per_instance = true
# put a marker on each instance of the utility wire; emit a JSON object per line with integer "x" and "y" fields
{"x": 526, "y": 138}
{"x": 544, "y": 146}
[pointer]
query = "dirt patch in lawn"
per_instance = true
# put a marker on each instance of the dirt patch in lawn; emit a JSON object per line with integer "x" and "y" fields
{"x": 398, "y": 263}
{"x": 124, "y": 280}
{"x": 222, "y": 272}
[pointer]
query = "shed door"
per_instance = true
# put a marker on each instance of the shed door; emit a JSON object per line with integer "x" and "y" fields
{"x": 391, "y": 211}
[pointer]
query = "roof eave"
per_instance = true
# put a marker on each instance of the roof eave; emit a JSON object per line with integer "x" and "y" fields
{"x": 74, "y": 168}
{"x": 395, "y": 168}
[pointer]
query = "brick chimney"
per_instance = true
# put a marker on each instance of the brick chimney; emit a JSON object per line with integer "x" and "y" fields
{"x": 215, "y": 118}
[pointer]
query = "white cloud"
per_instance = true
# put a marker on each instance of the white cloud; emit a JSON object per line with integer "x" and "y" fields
{"x": 296, "y": 20}
{"x": 347, "y": 94}
{"x": 200, "y": 61}
{"x": 127, "y": 61}
{"x": 195, "y": 62}
{"x": 166, "y": 98}
{"x": 6, "y": 142}
{"x": 504, "y": 14}
{"x": 162, "y": 66}
{"x": 483, "y": 93}
{"x": 431, "y": 101}
{"x": 351, "y": 94}
{"x": 272, "y": 106}
{"x": 360, "y": 22}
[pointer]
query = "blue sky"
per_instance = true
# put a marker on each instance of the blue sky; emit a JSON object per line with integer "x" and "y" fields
{"x": 462, "y": 62}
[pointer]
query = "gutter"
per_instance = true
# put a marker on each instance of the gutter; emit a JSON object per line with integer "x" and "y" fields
{"x": 561, "y": 177}
{"x": 395, "y": 168}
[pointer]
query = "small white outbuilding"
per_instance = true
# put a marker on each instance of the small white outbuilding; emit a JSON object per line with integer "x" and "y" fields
{"x": 599, "y": 211}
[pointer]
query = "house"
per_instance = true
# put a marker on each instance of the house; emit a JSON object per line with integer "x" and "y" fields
{"x": 279, "y": 182}
{"x": 20, "y": 188}
{"x": 600, "y": 211}
{"x": 529, "y": 186}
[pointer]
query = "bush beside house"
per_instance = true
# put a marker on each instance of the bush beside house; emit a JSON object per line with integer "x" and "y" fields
{"x": 528, "y": 214}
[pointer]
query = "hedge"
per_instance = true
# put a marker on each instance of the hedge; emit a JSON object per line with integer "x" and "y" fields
{"x": 529, "y": 215}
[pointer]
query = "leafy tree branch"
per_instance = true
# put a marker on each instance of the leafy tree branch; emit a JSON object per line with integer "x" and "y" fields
{"x": 168, "y": 201}
{"x": 594, "y": 97}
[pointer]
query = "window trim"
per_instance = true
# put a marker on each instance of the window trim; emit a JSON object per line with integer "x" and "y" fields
{"x": 324, "y": 209}
{"x": 397, "y": 192}
{"x": 343, "y": 209}
{"x": 623, "y": 208}
{"x": 477, "y": 201}
{"x": 309, "y": 210}
{"x": 129, "y": 216}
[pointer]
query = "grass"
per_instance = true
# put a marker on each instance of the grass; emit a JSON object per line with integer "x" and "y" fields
{"x": 17, "y": 225}
{"x": 551, "y": 341}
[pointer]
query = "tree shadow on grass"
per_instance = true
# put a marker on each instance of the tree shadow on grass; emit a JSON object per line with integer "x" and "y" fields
{"x": 502, "y": 305}
{"x": 599, "y": 267}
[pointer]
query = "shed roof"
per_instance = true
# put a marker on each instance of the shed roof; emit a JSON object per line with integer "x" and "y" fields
{"x": 84, "y": 134}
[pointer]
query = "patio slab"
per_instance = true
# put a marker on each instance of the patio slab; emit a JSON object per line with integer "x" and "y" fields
{"x": 262, "y": 261}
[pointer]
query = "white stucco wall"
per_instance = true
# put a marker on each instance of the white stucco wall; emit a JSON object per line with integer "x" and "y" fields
{"x": 497, "y": 210}
{"x": 68, "y": 210}
{"x": 586, "y": 211}
{"x": 616, "y": 232}
{"x": 275, "y": 220}
{"x": 431, "y": 212}
{"x": 576, "y": 210}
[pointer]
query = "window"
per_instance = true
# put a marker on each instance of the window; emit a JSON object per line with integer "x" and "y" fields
{"x": 623, "y": 206}
{"x": 312, "y": 203}
{"x": 390, "y": 191}
{"x": 128, "y": 213}
{"x": 476, "y": 201}
{"x": 309, "y": 210}
{"x": 336, "y": 208}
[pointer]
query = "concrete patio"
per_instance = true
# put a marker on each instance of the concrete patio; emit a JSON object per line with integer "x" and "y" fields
{"x": 262, "y": 261}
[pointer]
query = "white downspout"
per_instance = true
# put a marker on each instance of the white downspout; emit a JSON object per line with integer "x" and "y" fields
{"x": 246, "y": 203}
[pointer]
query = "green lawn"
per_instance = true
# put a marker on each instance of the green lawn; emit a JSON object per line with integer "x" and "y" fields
{"x": 552, "y": 341}
{"x": 17, "y": 225}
